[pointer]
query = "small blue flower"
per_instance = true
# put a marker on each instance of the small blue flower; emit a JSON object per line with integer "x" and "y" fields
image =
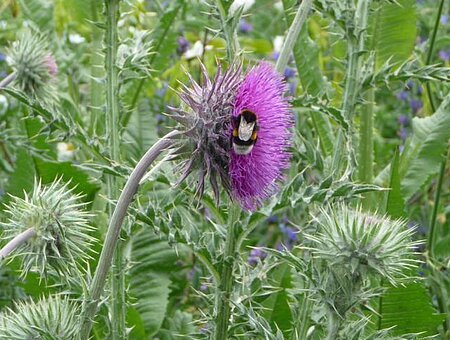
{"x": 272, "y": 219}
{"x": 402, "y": 95}
{"x": 256, "y": 255}
{"x": 444, "y": 19}
{"x": 2, "y": 57}
{"x": 403, "y": 120}
{"x": 409, "y": 85}
{"x": 289, "y": 72}
{"x": 275, "y": 55}
{"x": 183, "y": 45}
{"x": 444, "y": 55}
{"x": 403, "y": 134}
{"x": 416, "y": 105}
{"x": 290, "y": 235}
{"x": 245, "y": 27}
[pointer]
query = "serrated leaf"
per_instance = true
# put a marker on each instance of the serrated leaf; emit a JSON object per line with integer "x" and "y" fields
{"x": 408, "y": 310}
{"x": 276, "y": 306}
{"x": 394, "y": 31}
{"x": 38, "y": 11}
{"x": 149, "y": 280}
{"x": 427, "y": 147}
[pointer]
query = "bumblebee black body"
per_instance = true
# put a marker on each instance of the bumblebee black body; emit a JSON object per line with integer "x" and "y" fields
{"x": 245, "y": 132}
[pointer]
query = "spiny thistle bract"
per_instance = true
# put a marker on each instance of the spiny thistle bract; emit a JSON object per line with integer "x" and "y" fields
{"x": 54, "y": 317}
{"x": 206, "y": 119}
{"x": 62, "y": 230}
{"x": 237, "y": 129}
{"x": 34, "y": 66}
{"x": 364, "y": 243}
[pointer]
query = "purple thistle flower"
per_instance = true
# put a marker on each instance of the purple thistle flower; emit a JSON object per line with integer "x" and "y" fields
{"x": 254, "y": 176}
{"x": 206, "y": 120}
{"x": 244, "y": 26}
{"x": 52, "y": 67}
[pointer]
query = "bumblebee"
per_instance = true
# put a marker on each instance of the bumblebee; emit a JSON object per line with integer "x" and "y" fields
{"x": 245, "y": 132}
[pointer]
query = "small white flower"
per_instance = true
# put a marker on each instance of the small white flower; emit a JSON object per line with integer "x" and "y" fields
{"x": 3, "y": 104}
{"x": 278, "y": 43}
{"x": 195, "y": 51}
{"x": 65, "y": 151}
{"x": 76, "y": 39}
{"x": 278, "y": 6}
{"x": 245, "y": 4}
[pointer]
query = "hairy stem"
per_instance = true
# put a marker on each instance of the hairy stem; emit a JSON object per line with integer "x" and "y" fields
{"x": 292, "y": 35}
{"x": 8, "y": 80}
{"x": 355, "y": 45}
{"x": 16, "y": 242}
{"x": 365, "y": 152}
{"x": 97, "y": 73}
{"x": 228, "y": 31}
{"x": 118, "y": 299}
{"x": 225, "y": 289}
{"x": 114, "y": 228}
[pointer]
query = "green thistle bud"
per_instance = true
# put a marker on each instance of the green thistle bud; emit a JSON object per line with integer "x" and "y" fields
{"x": 359, "y": 243}
{"x": 57, "y": 227}
{"x": 55, "y": 317}
{"x": 34, "y": 66}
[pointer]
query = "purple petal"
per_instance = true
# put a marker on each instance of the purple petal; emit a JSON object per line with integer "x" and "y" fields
{"x": 254, "y": 176}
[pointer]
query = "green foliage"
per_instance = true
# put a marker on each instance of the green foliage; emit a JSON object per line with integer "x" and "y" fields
{"x": 394, "y": 31}
{"x": 408, "y": 310}
{"x": 152, "y": 262}
{"x": 426, "y": 149}
{"x": 310, "y": 263}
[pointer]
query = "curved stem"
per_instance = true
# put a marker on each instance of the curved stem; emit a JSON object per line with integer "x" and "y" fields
{"x": 294, "y": 31}
{"x": 118, "y": 299}
{"x": 225, "y": 289}
{"x": 16, "y": 242}
{"x": 115, "y": 225}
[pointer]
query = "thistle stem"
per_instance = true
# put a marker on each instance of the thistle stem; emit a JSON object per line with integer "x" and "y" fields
{"x": 118, "y": 299}
{"x": 355, "y": 45}
{"x": 225, "y": 289}
{"x": 115, "y": 225}
{"x": 292, "y": 35}
{"x": 16, "y": 242}
{"x": 97, "y": 73}
{"x": 229, "y": 32}
{"x": 430, "y": 51}
{"x": 8, "y": 80}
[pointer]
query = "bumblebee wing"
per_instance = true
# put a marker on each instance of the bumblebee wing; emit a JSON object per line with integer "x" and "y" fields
{"x": 245, "y": 129}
